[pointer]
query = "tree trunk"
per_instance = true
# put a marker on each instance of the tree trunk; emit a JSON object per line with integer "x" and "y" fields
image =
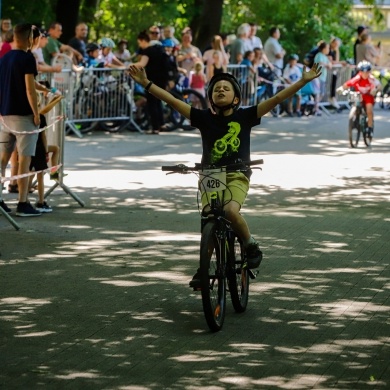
{"x": 88, "y": 10}
{"x": 67, "y": 13}
{"x": 207, "y": 23}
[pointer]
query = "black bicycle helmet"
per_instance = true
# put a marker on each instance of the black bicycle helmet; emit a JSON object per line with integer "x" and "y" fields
{"x": 91, "y": 47}
{"x": 364, "y": 66}
{"x": 237, "y": 90}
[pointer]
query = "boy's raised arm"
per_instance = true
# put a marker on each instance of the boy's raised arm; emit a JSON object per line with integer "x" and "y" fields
{"x": 139, "y": 76}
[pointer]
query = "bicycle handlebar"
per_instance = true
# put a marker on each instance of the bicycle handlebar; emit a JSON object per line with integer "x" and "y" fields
{"x": 181, "y": 168}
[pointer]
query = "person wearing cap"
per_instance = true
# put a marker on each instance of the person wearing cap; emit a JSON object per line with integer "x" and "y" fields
{"x": 291, "y": 74}
{"x": 78, "y": 41}
{"x": 54, "y": 46}
{"x": 123, "y": 54}
{"x": 107, "y": 56}
{"x": 37, "y": 52}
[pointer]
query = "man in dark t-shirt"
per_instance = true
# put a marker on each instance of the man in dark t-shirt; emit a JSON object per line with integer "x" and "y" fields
{"x": 155, "y": 61}
{"x": 19, "y": 111}
{"x": 78, "y": 41}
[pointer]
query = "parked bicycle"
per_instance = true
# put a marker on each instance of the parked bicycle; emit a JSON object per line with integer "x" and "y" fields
{"x": 357, "y": 119}
{"x": 222, "y": 256}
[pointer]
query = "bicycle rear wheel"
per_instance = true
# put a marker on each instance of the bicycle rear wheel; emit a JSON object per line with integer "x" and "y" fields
{"x": 238, "y": 276}
{"x": 212, "y": 277}
{"x": 353, "y": 128}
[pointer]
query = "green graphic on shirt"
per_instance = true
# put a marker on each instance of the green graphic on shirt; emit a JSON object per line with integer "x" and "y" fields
{"x": 228, "y": 144}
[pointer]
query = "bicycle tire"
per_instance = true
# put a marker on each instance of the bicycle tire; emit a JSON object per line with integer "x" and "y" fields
{"x": 118, "y": 106}
{"x": 212, "y": 278}
{"x": 367, "y": 137}
{"x": 354, "y": 127}
{"x": 237, "y": 275}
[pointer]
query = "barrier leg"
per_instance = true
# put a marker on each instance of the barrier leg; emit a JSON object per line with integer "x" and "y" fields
{"x": 74, "y": 129}
{"x": 10, "y": 219}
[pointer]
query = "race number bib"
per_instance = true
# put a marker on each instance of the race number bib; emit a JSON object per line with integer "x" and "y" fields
{"x": 212, "y": 180}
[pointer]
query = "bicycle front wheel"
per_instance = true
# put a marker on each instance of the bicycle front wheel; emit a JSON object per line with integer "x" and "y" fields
{"x": 238, "y": 276}
{"x": 353, "y": 128}
{"x": 212, "y": 277}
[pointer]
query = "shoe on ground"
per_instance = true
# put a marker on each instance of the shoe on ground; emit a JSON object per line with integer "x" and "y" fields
{"x": 290, "y": 114}
{"x": 4, "y": 207}
{"x": 43, "y": 207}
{"x": 299, "y": 114}
{"x": 195, "y": 282}
{"x": 253, "y": 255}
{"x": 26, "y": 210}
{"x": 318, "y": 113}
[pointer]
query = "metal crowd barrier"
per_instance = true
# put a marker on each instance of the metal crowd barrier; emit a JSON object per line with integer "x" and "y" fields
{"x": 94, "y": 95}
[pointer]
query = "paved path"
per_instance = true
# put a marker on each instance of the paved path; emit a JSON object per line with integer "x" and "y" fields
{"x": 97, "y": 297}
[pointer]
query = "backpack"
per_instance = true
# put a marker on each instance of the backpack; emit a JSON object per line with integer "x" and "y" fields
{"x": 308, "y": 60}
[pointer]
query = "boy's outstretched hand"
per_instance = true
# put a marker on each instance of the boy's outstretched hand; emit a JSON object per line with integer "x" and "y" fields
{"x": 313, "y": 73}
{"x": 137, "y": 74}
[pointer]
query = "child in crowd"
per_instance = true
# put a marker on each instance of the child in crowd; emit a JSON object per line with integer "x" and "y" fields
{"x": 216, "y": 66}
{"x": 291, "y": 74}
{"x": 323, "y": 60}
{"x": 198, "y": 81}
{"x": 248, "y": 82}
{"x": 92, "y": 50}
{"x": 38, "y": 164}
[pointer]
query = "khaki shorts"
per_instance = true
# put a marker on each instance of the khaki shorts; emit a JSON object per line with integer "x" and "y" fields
{"x": 237, "y": 189}
{"x": 25, "y": 143}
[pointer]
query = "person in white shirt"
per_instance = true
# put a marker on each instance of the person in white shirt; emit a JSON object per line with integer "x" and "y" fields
{"x": 274, "y": 50}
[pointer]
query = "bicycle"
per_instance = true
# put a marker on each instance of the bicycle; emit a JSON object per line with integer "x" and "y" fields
{"x": 357, "y": 122}
{"x": 222, "y": 256}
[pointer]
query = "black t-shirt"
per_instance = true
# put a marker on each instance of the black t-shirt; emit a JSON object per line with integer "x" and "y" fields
{"x": 157, "y": 68}
{"x": 225, "y": 139}
{"x": 78, "y": 45}
{"x": 13, "y": 93}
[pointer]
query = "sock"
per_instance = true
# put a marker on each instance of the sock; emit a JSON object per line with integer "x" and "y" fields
{"x": 251, "y": 240}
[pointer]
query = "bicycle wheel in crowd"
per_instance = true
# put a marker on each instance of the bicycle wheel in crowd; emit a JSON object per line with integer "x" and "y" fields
{"x": 117, "y": 105}
{"x": 194, "y": 99}
{"x": 354, "y": 128}
{"x": 212, "y": 277}
{"x": 238, "y": 276}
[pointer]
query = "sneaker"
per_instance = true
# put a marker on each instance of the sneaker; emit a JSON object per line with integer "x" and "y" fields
{"x": 26, "y": 210}
{"x": 5, "y": 207}
{"x": 299, "y": 114}
{"x": 290, "y": 114}
{"x": 195, "y": 282}
{"x": 43, "y": 207}
{"x": 253, "y": 255}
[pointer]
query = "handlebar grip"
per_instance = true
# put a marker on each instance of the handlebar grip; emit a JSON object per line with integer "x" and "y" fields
{"x": 171, "y": 168}
{"x": 256, "y": 162}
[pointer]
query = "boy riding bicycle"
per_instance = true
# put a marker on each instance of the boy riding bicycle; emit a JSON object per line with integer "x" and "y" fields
{"x": 365, "y": 83}
{"x": 225, "y": 131}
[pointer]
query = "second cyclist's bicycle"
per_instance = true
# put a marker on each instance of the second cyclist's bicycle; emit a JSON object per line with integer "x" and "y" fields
{"x": 357, "y": 122}
{"x": 223, "y": 265}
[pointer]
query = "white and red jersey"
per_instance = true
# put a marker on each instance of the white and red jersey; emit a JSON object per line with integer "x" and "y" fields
{"x": 364, "y": 86}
